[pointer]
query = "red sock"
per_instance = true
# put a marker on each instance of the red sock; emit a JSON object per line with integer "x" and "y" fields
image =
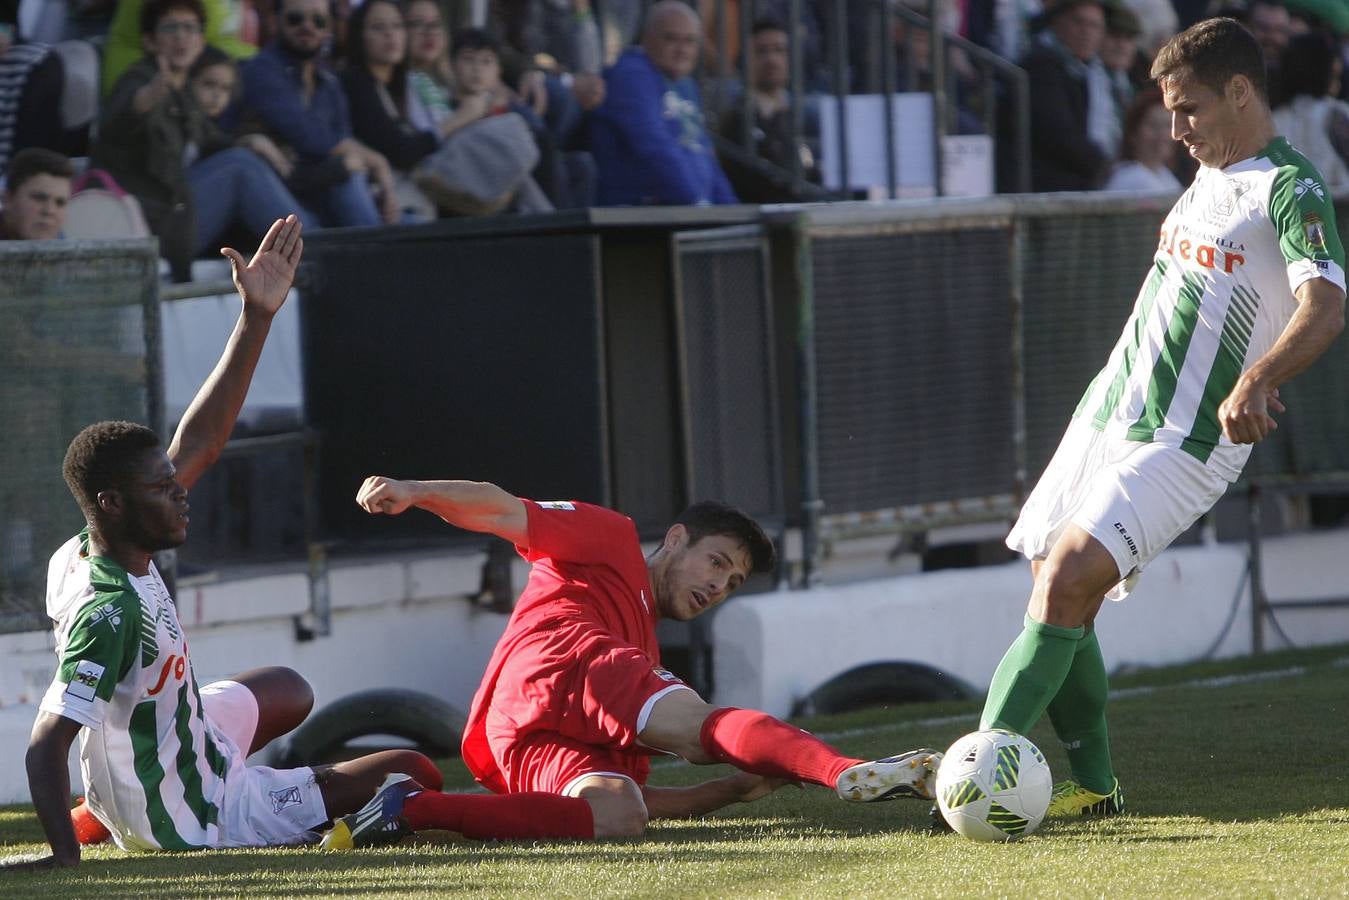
{"x": 501, "y": 816}
{"x": 756, "y": 742}
{"x": 88, "y": 830}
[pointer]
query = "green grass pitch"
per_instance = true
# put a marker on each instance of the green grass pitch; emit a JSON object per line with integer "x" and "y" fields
{"x": 1236, "y": 776}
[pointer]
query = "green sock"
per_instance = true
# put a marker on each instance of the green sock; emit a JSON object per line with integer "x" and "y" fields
{"x": 1029, "y": 676}
{"x": 1078, "y": 715}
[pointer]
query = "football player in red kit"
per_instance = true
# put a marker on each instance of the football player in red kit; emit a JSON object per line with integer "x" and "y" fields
{"x": 574, "y": 701}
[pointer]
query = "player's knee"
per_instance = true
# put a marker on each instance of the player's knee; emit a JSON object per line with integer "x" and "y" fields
{"x": 620, "y": 820}
{"x": 1063, "y": 595}
{"x": 302, "y": 693}
{"x": 418, "y": 765}
{"x": 616, "y": 805}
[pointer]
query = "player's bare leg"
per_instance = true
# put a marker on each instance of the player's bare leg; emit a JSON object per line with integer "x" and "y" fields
{"x": 284, "y": 700}
{"x": 683, "y": 723}
{"x": 347, "y": 786}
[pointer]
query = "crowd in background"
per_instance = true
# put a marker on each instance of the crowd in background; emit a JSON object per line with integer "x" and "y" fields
{"x": 218, "y": 116}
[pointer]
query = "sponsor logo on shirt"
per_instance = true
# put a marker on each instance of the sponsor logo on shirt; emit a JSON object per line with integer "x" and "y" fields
{"x": 285, "y": 798}
{"x": 84, "y": 683}
{"x": 558, "y": 504}
{"x": 665, "y": 675}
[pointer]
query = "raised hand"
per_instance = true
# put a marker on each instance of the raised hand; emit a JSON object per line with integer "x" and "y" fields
{"x": 264, "y": 281}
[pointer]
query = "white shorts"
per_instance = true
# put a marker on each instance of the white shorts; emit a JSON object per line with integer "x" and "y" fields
{"x": 264, "y": 807}
{"x": 1134, "y": 497}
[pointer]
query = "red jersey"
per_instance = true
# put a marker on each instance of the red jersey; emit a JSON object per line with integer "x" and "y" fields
{"x": 588, "y": 591}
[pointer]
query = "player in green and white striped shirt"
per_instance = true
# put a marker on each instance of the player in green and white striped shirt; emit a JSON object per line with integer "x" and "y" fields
{"x": 1245, "y": 291}
{"x": 162, "y": 759}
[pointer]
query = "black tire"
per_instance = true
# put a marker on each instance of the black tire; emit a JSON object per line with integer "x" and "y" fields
{"x": 882, "y": 684}
{"x": 432, "y": 725}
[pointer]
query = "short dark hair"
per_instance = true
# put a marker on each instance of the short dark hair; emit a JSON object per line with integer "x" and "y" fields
{"x": 473, "y": 39}
{"x": 708, "y": 517}
{"x": 209, "y": 58}
{"x": 1212, "y": 52}
{"x": 102, "y": 456}
{"x": 154, "y": 10}
{"x": 31, "y": 161}
{"x": 1307, "y": 65}
{"x": 766, "y": 23}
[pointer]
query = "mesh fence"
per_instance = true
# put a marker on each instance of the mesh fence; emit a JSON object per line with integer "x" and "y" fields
{"x": 916, "y": 337}
{"x": 725, "y": 331}
{"x": 913, "y": 351}
{"x": 77, "y": 327}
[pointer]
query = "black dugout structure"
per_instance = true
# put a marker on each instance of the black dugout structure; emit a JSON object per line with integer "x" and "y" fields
{"x": 621, "y": 357}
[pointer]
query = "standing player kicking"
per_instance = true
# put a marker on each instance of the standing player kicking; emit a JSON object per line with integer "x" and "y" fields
{"x": 163, "y": 762}
{"x": 1245, "y": 292}
{"x": 574, "y": 701}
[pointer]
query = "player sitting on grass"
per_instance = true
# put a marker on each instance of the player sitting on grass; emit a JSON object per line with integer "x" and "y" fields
{"x": 163, "y": 761}
{"x": 574, "y": 701}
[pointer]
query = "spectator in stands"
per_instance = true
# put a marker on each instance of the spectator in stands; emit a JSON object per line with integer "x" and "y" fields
{"x": 476, "y": 63}
{"x": 303, "y": 108}
{"x": 225, "y": 21}
{"x": 161, "y": 147}
{"x": 1073, "y": 121}
{"x": 48, "y": 96}
{"x": 771, "y": 131}
{"x": 1124, "y": 64}
{"x": 1272, "y": 26}
{"x": 37, "y": 189}
{"x": 430, "y": 79}
{"x": 1149, "y": 149}
{"x": 375, "y": 79}
{"x": 648, "y": 137}
{"x": 913, "y": 62}
{"x": 1310, "y": 115}
{"x": 215, "y": 86}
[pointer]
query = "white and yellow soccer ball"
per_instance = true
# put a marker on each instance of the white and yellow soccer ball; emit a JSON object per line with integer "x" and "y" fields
{"x": 994, "y": 786}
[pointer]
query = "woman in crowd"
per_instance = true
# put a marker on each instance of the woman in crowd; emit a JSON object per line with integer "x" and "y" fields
{"x": 1149, "y": 150}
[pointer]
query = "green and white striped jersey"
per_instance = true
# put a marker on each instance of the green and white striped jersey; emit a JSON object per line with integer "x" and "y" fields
{"x": 154, "y": 768}
{"x": 1233, "y": 250}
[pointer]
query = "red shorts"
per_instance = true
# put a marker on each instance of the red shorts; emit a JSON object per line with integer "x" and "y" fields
{"x": 570, "y": 701}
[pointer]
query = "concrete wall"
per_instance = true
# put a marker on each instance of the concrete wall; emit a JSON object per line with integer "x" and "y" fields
{"x": 771, "y": 650}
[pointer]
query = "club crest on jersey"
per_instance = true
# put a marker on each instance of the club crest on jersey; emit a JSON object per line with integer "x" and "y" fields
{"x": 558, "y": 504}
{"x": 84, "y": 683}
{"x": 106, "y": 613}
{"x": 285, "y": 798}
{"x": 1303, "y": 185}
{"x": 1224, "y": 206}
{"x": 1314, "y": 230}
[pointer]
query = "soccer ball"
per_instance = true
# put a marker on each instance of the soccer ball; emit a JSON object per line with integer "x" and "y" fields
{"x": 994, "y": 786}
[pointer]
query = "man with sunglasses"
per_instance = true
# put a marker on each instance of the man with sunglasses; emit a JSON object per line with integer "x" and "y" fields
{"x": 302, "y": 105}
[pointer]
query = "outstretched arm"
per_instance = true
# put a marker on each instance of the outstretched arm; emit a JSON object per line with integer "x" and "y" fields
{"x": 263, "y": 284}
{"x": 681, "y": 803}
{"x": 49, "y": 783}
{"x": 473, "y": 505}
{"x": 1319, "y": 317}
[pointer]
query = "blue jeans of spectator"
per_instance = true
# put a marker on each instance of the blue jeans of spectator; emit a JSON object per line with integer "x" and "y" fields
{"x": 348, "y": 204}
{"x": 238, "y": 187}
